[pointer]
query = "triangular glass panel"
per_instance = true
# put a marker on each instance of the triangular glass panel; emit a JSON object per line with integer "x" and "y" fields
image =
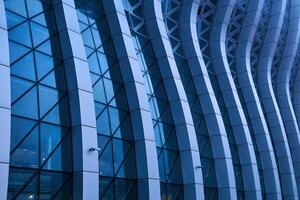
{"x": 44, "y": 64}
{"x": 127, "y": 167}
{"x": 88, "y": 38}
{"x": 41, "y": 19}
{"x": 99, "y": 93}
{"x": 30, "y": 191}
{"x": 13, "y": 19}
{"x": 17, "y": 180}
{"x": 124, "y": 131}
{"x": 51, "y": 135}
{"x": 93, "y": 63}
{"x": 103, "y": 123}
{"x": 39, "y": 33}
{"x": 56, "y": 79}
{"x": 103, "y": 62}
{"x": 106, "y": 189}
{"x": 24, "y": 67}
{"x": 34, "y": 7}
{"x": 48, "y": 98}
{"x": 19, "y": 87}
{"x": 120, "y": 149}
{"x": 60, "y": 159}
{"x": 51, "y": 183}
{"x": 51, "y": 47}
{"x": 27, "y": 153}
{"x": 21, "y": 34}
{"x": 110, "y": 88}
{"x": 174, "y": 171}
{"x": 124, "y": 189}
{"x": 161, "y": 164}
{"x": 18, "y": 51}
{"x": 115, "y": 118}
{"x": 19, "y": 7}
{"x": 60, "y": 113}
{"x": 106, "y": 161}
{"x": 27, "y": 106}
{"x": 19, "y": 128}
{"x": 65, "y": 192}
{"x": 94, "y": 78}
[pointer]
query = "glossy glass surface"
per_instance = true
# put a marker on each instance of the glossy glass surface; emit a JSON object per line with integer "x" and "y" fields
{"x": 41, "y": 150}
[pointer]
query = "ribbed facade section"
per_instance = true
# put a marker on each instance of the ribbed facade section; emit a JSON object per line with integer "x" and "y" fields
{"x": 149, "y": 99}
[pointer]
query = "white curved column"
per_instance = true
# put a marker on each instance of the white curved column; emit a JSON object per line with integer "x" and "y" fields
{"x": 214, "y": 122}
{"x": 253, "y": 107}
{"x": 296, "y": 93}
{"x": 146, "y": 155}
{"x": 282, "y": 86}
{"x": 185, "y": 133}
{"x": 5, "y": 105}
{"x": 264, "y": 87}
{"x": 83, "y": 120}
{"x": 237, "y": 118}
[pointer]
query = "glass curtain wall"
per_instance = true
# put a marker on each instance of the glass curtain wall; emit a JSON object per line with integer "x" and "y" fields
{"x": 41, "y": 149}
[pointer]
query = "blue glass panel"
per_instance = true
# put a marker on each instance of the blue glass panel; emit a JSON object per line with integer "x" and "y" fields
{"x": 17, "y": 6}
{"x": 39, "y": 33}
{"x": 106, "y": 188}
{"x": 21, "y": 34}
{"x": 13, "y": 19}
{"x": 106, "y": 158}
{"x": 34, "y": 145}
{"x": 27, "y": 152}
{"x": 27, "y": 106}
{"x": 20, "y": 127}
{"x": 60, "y": 159}
{"x": 103, "y": 123}
{"x": 18, "y": 51}
{"x": 19, "y": 87}
{"x": 24, "y": 67}
{"x": 48, "y": 97}
{"x": 34, "y": 7}
{"x": 17, "y": 180}
{"x": 50, "y": 137}
{"x": 44, "y": 64}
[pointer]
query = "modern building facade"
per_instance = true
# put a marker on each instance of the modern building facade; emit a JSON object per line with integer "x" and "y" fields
{"x": 149, "y": 99}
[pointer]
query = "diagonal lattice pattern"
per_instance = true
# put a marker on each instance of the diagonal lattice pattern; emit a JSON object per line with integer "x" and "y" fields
{"x": 40, "y": 161}
{"x": 117, "y": 167}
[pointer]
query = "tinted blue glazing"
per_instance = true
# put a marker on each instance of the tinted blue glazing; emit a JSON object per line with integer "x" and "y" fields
{"x": 206, "y": 15}
{"x": 165, "y": 136}
{"x": 40, "y": 156}
{"x": 117, "y": 166}
{"x": 171, "y": 11}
